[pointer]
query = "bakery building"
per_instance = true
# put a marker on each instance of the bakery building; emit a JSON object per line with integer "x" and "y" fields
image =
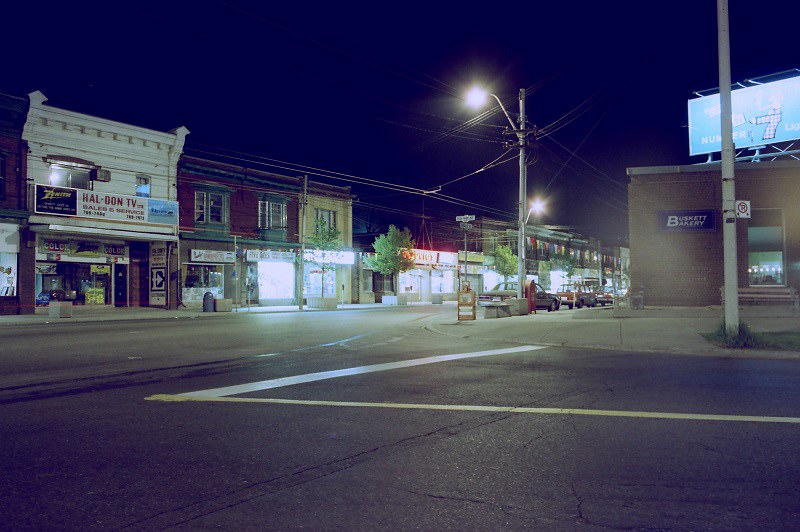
{"x": 103, "y": 210}
{"x": 676, "y": 221}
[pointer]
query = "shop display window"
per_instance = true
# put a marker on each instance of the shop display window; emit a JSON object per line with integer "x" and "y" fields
{"x": 199, "y": 279}
{"x": 8, "y": 274}
{"x": 443, "y": 282}
{"x": 313, "y": 281}
{"x": 276, "y": 280}
{"x": 81, "y": 283}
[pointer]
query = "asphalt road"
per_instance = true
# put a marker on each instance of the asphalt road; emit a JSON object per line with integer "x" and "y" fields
{"x": 368, "y": 420}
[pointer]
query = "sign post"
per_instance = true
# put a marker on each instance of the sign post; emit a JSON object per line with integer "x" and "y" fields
{"x": 466, "y": 226}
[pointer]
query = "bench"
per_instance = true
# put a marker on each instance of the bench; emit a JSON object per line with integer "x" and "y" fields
{"x": 766, "y": 295}
{"x": 497, "y": 309}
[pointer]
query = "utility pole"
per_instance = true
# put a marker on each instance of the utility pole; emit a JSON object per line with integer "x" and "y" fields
{"x": 302, "y": 266}
{"x": 523, "y": 179}
{"x": 731, "y": 288}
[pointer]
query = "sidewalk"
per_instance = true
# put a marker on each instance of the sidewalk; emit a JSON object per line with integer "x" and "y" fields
{"x": 653, "y": 330}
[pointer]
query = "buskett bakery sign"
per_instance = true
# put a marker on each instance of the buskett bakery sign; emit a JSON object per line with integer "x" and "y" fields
{"x": 701, "y": 220}
{"x": 99, "y": 205}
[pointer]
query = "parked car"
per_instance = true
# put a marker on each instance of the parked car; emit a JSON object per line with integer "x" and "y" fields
{"x": 603, "y": 294}
{"x": 508, "y": 289}
{"x": 576, "y": 295}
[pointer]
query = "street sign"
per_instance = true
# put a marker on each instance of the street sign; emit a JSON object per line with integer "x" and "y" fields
{"x": 465, "y": 218}
{"x": 742, "y": 209}
{"x": 465, "y": 226}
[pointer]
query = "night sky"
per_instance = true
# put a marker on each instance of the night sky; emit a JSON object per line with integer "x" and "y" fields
{"x": 375, "y": 90}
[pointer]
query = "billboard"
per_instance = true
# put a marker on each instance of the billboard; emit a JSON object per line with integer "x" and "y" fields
{"x": 762, "y": 115}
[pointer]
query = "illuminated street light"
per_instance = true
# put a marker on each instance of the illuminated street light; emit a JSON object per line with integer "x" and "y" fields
{"x": 537, "y": 208}
{"x": 476, "y": 98}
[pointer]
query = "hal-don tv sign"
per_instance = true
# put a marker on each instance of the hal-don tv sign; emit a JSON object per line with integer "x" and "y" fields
{"x": 761, "y": 115}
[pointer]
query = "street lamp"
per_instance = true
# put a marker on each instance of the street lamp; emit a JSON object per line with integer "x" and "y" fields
{"x": 537, "y": 208}
{"x": 477, "y": 97}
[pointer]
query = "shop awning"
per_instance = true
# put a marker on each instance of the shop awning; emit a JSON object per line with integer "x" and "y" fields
{"x": 123, "y": 235}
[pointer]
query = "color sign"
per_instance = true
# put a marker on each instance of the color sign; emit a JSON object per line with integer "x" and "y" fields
{"x": 762, "y": 115}
{"x": 687, "y": 221}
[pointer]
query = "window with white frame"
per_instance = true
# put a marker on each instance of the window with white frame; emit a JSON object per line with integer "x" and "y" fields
{"x": 329, "y": 217}
{"x": 271, "y": 215}
{"x": 209, "y": 207}
{"x": 69, "y": 176}
{"x": 143, "y": 185}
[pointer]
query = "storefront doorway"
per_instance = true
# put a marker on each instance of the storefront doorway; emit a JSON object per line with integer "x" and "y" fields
{"x": 120, "y": 285}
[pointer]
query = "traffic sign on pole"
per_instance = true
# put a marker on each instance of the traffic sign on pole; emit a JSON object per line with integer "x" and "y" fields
{"x": 742, "y": 209}
{"x": 465, "y": 218}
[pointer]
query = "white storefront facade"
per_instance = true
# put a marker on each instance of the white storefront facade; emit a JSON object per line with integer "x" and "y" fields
{"x": 104, "y": 211}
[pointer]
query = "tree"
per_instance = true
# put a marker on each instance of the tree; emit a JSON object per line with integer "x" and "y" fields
{"x": 565, "y": 263}
{"x": 393, "y": 253}
{"x": 327, "y": 240}
{"x": 505, "y": 262}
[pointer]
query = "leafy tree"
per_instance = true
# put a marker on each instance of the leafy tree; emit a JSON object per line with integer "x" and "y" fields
{"x": 393, "y": 253}
{"x": 565, "y": 263}
{"x": 505, "y": 262}
{"x": 326, "y": 239}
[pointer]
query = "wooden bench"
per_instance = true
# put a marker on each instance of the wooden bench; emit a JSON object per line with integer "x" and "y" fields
{"x": 766, "y": 295}
{"x": 496, "y": 309}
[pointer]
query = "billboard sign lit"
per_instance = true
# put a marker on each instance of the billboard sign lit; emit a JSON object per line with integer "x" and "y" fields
{"x": 762, "y": 115}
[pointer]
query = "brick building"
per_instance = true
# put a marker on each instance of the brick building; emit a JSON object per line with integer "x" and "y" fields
{"x": 240, "y": 234}
{"x": 15, "y": 285}
{"x": 675, "y": 221}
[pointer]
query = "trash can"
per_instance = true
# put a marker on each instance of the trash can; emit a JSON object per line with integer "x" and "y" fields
{"x": 208, "y": 302}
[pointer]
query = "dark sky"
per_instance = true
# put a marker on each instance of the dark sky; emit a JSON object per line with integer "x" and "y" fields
{"x": 368, "y": 89}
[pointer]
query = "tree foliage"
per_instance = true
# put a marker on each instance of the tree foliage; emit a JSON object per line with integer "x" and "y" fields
{"x": 565, "y": 263}
{"x": 392, "y": 253}
{"x": 325, "y": 238}
{"x": 505, "y": 262}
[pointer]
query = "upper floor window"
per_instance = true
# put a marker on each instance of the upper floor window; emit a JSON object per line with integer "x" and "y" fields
{"x": 329, "y": 217}
{"x": 271, "y": 215}
{"x": 69, "y": 176}
{"x": 209, "y": 207}
{"x": 143, "y": 185}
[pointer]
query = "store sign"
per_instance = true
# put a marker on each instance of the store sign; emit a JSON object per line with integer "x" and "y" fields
{"x": 100, "y": 269}
{"x": 260, "y": 255}
{"x": 158, "y": 254}
{"x": 445, "y": 257}
{"x": 765, "y": 114}
{"x": 51, "y": 249}
{"x": 212, "y": 255}
{"x": 330, "y": 257}
{"x": 422, "y": 256}
{"x": 46, "y": 268}
{"x": 687, "y": 221}
{"x": 98, "y": 205}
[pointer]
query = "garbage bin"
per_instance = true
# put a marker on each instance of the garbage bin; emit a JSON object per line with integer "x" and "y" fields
{"x": 208, "y": 302}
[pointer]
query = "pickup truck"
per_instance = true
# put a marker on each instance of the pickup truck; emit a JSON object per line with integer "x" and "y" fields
{"x": 576, "y": 295}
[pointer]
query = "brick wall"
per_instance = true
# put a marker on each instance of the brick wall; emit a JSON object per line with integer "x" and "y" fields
{"x": 686, "y": 268}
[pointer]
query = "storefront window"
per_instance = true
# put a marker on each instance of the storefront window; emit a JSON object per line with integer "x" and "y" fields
{"x": 312, "y": 280}
{"x": 276, "y": 280}
{"x": 8, "y": 274}
{"x": 443, "y": 282}
{"x": 411, "y": 281}
{"x": 81, "y": 283}
{"x": 202, "y": 278}
{"x": 765, "y": 248}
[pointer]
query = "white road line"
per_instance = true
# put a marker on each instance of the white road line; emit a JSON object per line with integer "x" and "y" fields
{"x": 323, "y": 375}
{"x": 479, "y": 408}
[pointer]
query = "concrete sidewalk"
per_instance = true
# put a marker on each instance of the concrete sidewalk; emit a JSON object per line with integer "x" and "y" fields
{"x": 654, "y": 330}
